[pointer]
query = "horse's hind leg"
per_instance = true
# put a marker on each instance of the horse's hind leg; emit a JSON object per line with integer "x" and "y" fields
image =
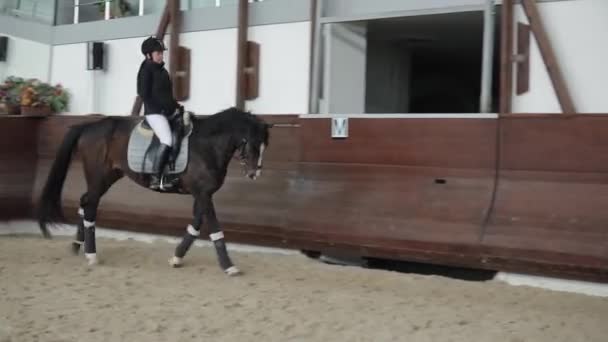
{"x": 79, "y": 240}
{"x": 96, "y": 188}
{"x": 192, "y": 232}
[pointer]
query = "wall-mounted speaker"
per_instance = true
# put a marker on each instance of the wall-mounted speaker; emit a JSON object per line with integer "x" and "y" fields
{"x": 95, "y": 55}
{"x": 3, "y": 48}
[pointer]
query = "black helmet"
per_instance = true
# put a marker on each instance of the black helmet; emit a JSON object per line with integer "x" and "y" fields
{"x": 152, "y": 44}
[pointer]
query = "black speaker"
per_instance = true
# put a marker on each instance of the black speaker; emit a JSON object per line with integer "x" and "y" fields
{"x": 3, "y": 48}
{"x": 95, "y": 55}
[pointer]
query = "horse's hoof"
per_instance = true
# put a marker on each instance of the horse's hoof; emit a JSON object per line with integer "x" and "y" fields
{"x": 175, "y": 262}
{"x": 233, "y": 271}
{"x": 92, "y": 259}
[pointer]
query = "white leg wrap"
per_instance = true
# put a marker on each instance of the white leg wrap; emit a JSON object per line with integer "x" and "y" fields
{"x": 81, "y": 212}
{"x": 92, "y": 258}
{"x": 216, "y": 236}
{"x": 78, "y": 242}
{"x": 175, "y": 261}
{"x": 193, "y": 231}
{"x": 88, "y": 224}
{"x": 232, "y": 271}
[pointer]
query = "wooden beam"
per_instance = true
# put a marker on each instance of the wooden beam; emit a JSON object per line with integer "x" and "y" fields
{"x": 549, "y": 58}
{"x": 252, "y": 71}
{"x": 175, "y": 23}
{"x": 523, "y": 58}
{"x": 182, "y": 79}
{"x": 506, "y": 53}
{"x": 243, "y": 25}
{"x": 161, "y": 30}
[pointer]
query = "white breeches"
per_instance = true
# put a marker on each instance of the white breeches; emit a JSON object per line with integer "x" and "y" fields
{"x": 160, "y": 126}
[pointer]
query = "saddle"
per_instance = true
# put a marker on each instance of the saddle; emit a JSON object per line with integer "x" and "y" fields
{"x": 143, "y": 146}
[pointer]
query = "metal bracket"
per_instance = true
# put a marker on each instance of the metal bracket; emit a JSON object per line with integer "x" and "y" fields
{"x": 339, "y": 128}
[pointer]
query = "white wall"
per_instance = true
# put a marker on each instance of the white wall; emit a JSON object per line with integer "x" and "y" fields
{"x": 283, "y": 72}
{"x": 577, "y": 30}
{"x": 68, "y": 68}
{"x": 284, "y": 68}
{"x": 27, "y": 59}
{"x": 212, "y": 69}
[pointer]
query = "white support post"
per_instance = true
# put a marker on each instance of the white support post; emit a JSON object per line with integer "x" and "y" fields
{"x": 485, "y": 100}
{"x": 76, "y": 11}
{"x": 317, "y": 59}
{"x": 141, "y": 7}
{"x": 107, "y": 12}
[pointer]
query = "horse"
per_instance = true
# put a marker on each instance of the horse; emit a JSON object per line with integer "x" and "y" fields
{"x": 212, "y": 144}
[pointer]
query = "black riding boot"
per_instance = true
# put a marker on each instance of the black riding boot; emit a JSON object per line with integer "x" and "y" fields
{"x": 159, "y": 166}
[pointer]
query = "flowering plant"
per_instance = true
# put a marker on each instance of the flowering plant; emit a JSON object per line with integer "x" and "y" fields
{"x": 33, "y": 93}
{"x": 10, "y": 91}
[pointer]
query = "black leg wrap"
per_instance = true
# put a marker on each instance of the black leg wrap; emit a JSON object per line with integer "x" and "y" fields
{"x": 79, "y": 238}
{"x": 89, "y": 240}
{"x": 222, "y": 254}
{"x": 184, "y": 246}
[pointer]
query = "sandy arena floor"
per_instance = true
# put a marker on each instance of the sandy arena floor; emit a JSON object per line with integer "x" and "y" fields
{"x": 46, "y": 294}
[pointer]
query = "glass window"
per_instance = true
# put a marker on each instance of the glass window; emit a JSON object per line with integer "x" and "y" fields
{"x": 94, "y": 10}
{"x": 37, "y": 10}
{"x": 213, "y": 3}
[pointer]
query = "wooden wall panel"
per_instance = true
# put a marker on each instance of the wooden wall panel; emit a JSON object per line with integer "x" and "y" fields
{"x": 553, "y": 189}
{"x": 394, "y": 182}
{"x": 446, "y": 143}
{"x": 18, "y": 159}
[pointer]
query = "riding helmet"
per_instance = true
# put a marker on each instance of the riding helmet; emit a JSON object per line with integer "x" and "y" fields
{"x": 152, "y": 44}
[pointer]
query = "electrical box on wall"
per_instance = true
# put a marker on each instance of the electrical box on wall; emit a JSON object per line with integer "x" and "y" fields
{"x": 95, "y": 56}
{"x": 3, "y": 48}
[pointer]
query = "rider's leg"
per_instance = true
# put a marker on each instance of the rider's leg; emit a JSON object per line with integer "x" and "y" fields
{"x": 160, "y": 126}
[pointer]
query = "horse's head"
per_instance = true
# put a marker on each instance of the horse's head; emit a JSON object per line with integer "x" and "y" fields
{"x": 252, "y": 147}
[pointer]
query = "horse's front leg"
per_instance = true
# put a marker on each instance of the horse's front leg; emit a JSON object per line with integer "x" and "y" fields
{"x": 217, "y": 237}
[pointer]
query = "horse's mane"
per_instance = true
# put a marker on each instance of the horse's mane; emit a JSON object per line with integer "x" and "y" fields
{"x": 228, "y": 120}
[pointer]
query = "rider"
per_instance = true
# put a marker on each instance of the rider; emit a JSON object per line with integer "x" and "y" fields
{"x": 155, "y": 88}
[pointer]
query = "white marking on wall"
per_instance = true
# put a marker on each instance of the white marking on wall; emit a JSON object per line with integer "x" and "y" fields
{"x": 29, "y": 227}
{"x": 564, "y": 285}
{"x": 404, "y": 116}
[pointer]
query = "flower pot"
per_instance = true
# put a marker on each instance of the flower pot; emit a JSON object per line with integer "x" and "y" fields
{"x": 41, "y": 110}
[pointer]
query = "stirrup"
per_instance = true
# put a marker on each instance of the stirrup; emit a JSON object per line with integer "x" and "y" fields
{"x": 155, "y": 186}
{"x": 161, "y": 184}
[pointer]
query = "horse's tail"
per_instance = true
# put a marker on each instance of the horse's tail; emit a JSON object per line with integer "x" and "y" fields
{"x": 49, "y": 206}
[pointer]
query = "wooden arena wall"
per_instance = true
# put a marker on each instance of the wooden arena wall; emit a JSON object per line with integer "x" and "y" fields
{"x": 523, "y": 193}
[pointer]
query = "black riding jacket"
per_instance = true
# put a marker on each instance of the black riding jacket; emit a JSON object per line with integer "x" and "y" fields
{"x": 155, "y": 88}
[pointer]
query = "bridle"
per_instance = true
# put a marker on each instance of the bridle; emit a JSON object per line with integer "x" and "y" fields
{"x": 244, "y": 161}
